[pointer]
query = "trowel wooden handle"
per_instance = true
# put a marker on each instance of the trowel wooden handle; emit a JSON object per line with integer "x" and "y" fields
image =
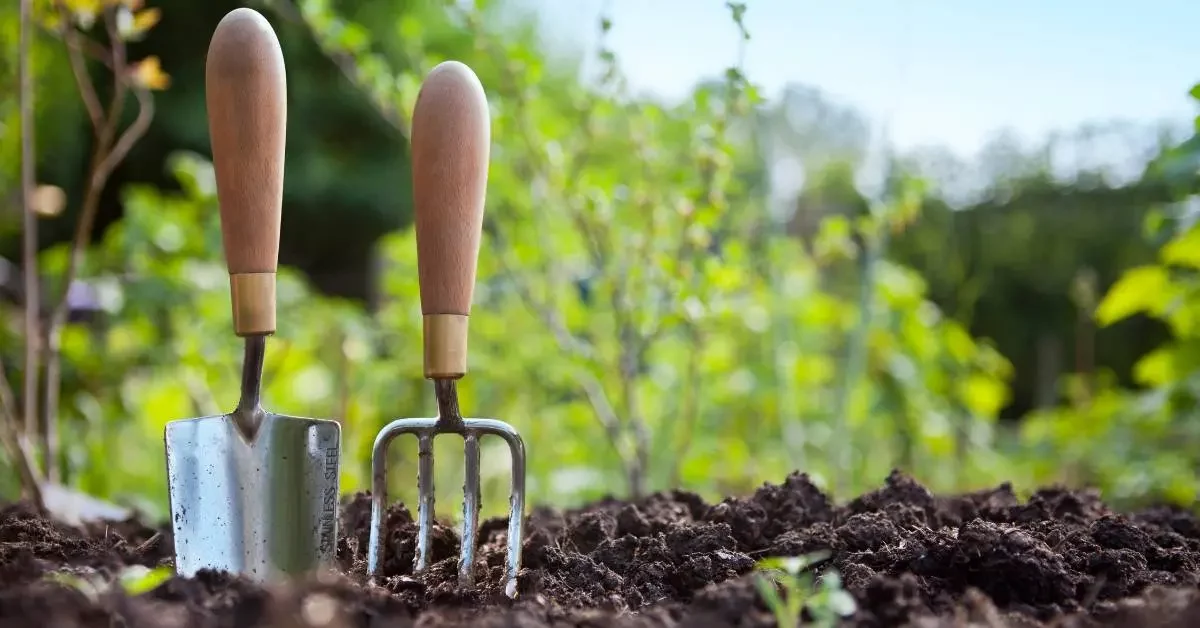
{"x": 451, "y": 144}
{"x": 245, "y": 92}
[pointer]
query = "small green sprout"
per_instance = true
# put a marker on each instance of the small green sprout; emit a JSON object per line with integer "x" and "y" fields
{"x": 136, "y": 579}
{"x": 826, "y": 602}
{"x": 133, "y": 580}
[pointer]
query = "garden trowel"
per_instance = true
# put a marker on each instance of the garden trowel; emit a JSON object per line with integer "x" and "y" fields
{"x": 252, "y": 492}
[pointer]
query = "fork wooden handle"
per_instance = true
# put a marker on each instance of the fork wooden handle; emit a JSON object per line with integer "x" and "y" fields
{"x": 451, "y": 145}
{"x": 246, "y": 97}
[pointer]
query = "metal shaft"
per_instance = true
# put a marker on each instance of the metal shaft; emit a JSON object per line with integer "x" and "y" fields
{"x": 249, "y": 413}
{"x": 450, "y": 418}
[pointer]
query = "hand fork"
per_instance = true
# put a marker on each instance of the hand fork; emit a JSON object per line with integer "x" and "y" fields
{"x": 451, "y": 139}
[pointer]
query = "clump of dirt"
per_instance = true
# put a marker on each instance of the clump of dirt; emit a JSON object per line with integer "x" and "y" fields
{"x": 908, "y": 557}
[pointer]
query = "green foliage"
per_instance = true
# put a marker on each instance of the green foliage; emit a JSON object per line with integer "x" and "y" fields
{"x": 637, "y": 318}
{"x": 640, "y": 316}
{"x": 786, "y": 586}
{"x": 1139, "y": 445}
{"x": 658, "y": 314}
{"x": 163, "y": 349}
{"x": 1006, "y": 260}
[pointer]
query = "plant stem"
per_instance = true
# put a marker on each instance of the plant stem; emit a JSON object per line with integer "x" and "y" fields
{"x": 689, "y": 413}
{"x": 17, "y": 445}
{"x": 15, "y": 438}
{"x": 110, "y": 150}
{"x": 32, "y": 297}
{"x": 855, "y": 364}
{"x": 628, "y": 369}
{"x": 87, "y": 91}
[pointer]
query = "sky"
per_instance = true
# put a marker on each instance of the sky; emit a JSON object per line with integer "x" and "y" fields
{"x": 942, "y": 72}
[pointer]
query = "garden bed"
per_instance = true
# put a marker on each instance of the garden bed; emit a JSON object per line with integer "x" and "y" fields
{"x": 908, "y": 558}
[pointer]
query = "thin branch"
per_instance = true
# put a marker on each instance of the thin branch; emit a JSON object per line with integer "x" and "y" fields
{"x": 689, "y": 410}
{"x": 87, "y": 90}
{"x": 604, "y": 413}
{"x": 627, "y": 371}
{"x": 119, "y": 70}
{"x": 104, "y": 160}
{"x": 125, "y": 143}
{"x": 629, "y": 342}
{"x": 89, "y": 47}
{"x": 32, "y": 297}
{"x": 345, "y": 63}
{"x": 17, "y": 444}
{"x": 566, "y": 340}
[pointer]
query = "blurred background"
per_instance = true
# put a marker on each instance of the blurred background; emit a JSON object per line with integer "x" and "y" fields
{"x": 723, "y": 241}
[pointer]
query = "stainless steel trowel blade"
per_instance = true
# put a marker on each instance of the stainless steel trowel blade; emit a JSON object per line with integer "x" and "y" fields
{"x": 263, "y": 508}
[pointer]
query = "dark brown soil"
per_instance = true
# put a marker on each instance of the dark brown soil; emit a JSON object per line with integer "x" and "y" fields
{"x": 908, "y": 557}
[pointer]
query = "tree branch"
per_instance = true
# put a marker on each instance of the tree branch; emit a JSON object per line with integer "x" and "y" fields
{"x": 87, "y": 90}
{"x": 32, "y": 298}
{"x": 566, "y": 340}
{"x": 125, "y": 143}
{"x": 605, "y": 414}
{"x": 90, "y": 47}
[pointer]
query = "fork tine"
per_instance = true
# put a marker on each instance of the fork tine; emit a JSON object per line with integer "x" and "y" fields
{"x": 471, "y": 498}
{"x": 516, "y": 508}
{"x": 378, "y": 497}
{"x": 425, "y": 501}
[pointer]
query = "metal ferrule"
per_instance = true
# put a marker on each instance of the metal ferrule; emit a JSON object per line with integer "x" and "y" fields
{"x": 253, "y": 296}
{"x": 445, "y": 346}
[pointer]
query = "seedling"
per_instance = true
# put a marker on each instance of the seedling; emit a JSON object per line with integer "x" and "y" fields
{"x": 133, "y": 580}
{"x": 787, "y": 588}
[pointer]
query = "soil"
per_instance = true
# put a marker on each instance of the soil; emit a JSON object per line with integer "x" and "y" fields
{"x": 908, "y": 557}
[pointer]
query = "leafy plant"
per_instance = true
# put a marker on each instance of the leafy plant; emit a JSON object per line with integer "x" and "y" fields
{"x": 788, "y": 589}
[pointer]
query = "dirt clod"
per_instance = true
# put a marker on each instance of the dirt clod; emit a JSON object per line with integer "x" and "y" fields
{"x": 908, "y": 557}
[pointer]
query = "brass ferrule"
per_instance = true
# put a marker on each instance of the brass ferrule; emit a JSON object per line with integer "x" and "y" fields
{"x": 445, "y": 346}
{"x": 253, "y": 303}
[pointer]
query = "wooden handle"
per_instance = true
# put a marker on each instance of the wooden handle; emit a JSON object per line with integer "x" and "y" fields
{"x": 245, "y": 92}
{"x": 451, "y": 145}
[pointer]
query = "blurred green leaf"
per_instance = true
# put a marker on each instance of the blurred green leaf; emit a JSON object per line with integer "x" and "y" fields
{"x": 1138, "y": 290}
